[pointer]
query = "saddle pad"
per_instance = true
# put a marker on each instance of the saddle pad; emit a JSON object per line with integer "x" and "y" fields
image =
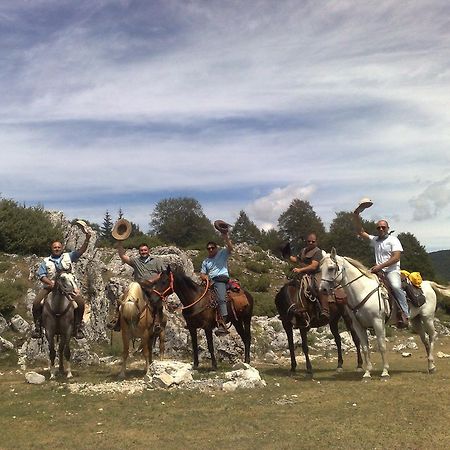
{"x": 239, "y": 300}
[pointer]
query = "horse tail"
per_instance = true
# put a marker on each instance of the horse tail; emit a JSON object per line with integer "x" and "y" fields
{"x": 440, "y": 289}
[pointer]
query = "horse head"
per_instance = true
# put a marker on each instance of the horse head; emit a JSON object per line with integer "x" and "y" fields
{"x": 332, "y": 271}
{"x": 65, "y": 283}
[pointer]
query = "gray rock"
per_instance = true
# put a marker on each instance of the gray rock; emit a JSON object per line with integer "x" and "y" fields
{"x": 34, "y": 378}
{"x": 3, "y": 324}
{"x": 19, "y": 324}
{"x": 5, "y": 345}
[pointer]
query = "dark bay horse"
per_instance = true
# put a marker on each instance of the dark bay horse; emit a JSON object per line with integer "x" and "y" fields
{"x": 199, "y": 313}
{"x": 300, "y": 312}
{"x": 58, "y": 320}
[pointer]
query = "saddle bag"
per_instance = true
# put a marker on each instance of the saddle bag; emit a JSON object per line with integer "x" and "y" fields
{"x": 239, "y": 299}
{"x": 340, "y": 297}
{"x": 415, "y": 295}
{"x": 233, "y": 285}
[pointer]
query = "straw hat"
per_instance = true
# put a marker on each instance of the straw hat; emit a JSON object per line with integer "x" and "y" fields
{"x": 82, "y": 225}
{"x": 363, "y": 204}
{"x": 121, "y": 230}
{"x": 222, "y": 226}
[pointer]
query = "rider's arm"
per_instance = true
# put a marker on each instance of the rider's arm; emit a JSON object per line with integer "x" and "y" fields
{"x": 310, "y": 268}
{"x": 395, "y": 257}
{"x": 293, "y": 259}
{"x": 359, "y": 226}
{"x": 84, "y": 247}
{"x": 121, "y": 251}
{"x": 228, "y": 242}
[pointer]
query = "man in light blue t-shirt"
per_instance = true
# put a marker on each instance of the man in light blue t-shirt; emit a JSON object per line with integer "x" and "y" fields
{"x": 215, "y": 267}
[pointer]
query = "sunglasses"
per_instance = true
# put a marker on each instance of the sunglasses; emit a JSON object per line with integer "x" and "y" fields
{"x": 211, "y": 248}
{"x": 310, "y": 242}
{"x": 381, "y": 228}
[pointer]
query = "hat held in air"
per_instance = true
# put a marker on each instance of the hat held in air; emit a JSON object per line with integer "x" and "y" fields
{"x": 222, "y": 226}
{"x": 364, "y": 203}
{"x": 121, "y": 230}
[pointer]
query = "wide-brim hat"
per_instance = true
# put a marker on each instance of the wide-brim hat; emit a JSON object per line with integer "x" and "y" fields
{"x": 82, "y": 225}
{"x": 364, "y": 203}
{"x": 121, "y": 230}
{"x": 222, "y": 226}
{"x": 285, "y": 250}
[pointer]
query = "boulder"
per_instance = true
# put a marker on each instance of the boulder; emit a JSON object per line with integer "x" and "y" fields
{"x": 3, "y": 324}
{"x": 19, "y": 324}
{"x": 5, "y": 345}
{"x": 34, "y": 378}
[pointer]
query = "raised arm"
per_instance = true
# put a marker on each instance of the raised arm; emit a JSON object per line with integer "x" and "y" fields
{"x": 359, "y": 226}
{"x": 84, "y": 247}
{"x": 228, "y": 242}
{"x": 122, "y": 255}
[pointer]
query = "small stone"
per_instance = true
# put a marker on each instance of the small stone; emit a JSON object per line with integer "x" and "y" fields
{"x": 34, "y": 378}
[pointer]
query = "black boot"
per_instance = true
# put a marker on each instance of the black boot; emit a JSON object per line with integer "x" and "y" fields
{"x": 114, "y": 324}
{"x": 221, "y": 328}
{"x": 78, "y": 331}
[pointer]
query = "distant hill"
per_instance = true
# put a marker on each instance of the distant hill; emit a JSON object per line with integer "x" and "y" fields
{"x": 441, "y": 264}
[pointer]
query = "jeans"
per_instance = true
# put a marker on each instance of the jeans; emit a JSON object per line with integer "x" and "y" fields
{"x": 396, "y": 285}
{"x": 220, "y": 289}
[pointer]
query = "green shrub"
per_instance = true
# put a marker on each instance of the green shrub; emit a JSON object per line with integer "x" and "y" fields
{"x": 258, "y": 283}
{"x": 4, "y": 266}
{"x": 258, "y": 266}
{"x": 10, "y": 295}
{"x": 264, "y": 304}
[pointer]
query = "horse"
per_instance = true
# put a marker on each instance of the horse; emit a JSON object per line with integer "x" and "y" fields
{"x": 137, "y": 321}
{"x": 367, "y": 301}
{"x": 422, "y": 318}
{"x": 297, "y": 311}
{"x": 198, "y": 311}
{"x": 58, "y": 320}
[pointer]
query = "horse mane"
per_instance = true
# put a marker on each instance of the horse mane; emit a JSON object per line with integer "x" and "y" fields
{"x": 180, "y": 276}
{"x": 361, "y": 267}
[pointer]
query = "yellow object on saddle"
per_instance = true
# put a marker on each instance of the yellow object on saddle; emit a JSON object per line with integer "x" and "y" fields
{"x": 414, "y": 277}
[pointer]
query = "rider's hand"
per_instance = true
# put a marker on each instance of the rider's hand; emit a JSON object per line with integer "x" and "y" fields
{"x": 296, "y": 270}
{"x": 375, "y": 269}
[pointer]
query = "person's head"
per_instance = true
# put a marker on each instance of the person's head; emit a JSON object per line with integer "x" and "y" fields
{"x": 311, "y": 241}
{"x": 382, "y": 228}
{"x": 57, "y": 248}
{"x": 212, "y": 248}
{"x": 143, "y": 250}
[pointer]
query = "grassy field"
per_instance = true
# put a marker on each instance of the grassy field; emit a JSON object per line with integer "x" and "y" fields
{"x": 411, "y": 410}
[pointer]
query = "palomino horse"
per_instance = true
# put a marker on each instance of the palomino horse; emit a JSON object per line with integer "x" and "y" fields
{"x": 367, "y": 301}
{"x": 58, "y": 320}
{"x": 199, "y": 312}
{"x": 422, "y": 318}
{"x": 297, "y": 311}
{"x": 137, "y": 321}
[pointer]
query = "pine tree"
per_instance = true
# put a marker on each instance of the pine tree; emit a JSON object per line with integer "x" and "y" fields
{"x": 244, "y": 230}
{"x": 106, "y": 228}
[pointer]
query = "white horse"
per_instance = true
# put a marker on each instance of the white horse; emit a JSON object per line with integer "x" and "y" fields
{"x": 367, "y": 301}
{"x": 422, "y": 318}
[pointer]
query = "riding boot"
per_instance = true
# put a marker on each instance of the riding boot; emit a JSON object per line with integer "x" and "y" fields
{"x": 324, "y": 315}
{"x": 221, "y": 327}
{"x": 78, "y": 328}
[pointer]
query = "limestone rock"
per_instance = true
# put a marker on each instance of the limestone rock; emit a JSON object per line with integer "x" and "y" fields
{"x": 3, "y": 324}
{"x": 5, "y": 345}
{"x": 19, "y": 324}
{"x": 34, "y": 378}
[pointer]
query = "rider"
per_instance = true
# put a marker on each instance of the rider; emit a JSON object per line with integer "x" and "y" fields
{"x": 58, "y": 261}
{"x": 146, "y": 268}
{"x": 215, "y": 267}
{"x": 309, "y": 259}
{"x": 388, "y": 251}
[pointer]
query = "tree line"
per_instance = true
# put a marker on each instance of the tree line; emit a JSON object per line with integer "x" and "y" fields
{"x": 181, "y": 222}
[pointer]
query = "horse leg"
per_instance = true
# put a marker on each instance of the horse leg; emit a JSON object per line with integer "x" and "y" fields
{"x": 337, "y": 338}
{"x": 364, "y": 342}
{"x": 378, "y": 326}
{"x": 52, "y": 354}
{"x": 243, "y": 329}
{"x": 147, "y": 342}
{"x": 162, "y": 342}
{"x": 209, "y": 340}
{"x": 67, "y": 356}
{"x": 61, "y": 346}
{"x": 287, "y": 325}
{"x": 355, "y": 337}
{"x": 125, "y": 350}
{"x": 304, "y": 335}
{"x": 428, "y": 323}
{"x": 193, "y": 333}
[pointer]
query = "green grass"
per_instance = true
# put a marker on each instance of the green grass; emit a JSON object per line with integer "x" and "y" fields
{"x": 410, "y": 410}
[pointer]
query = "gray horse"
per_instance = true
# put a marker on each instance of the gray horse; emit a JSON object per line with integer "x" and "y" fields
{"x": 58, "y": 320}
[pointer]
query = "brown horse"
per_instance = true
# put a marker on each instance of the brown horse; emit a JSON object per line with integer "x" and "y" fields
{"x": 137, "y": 321}
{"x": 199, "y": 312}
{"x": 298, "y": 311}
{"x": 58, "y": 320}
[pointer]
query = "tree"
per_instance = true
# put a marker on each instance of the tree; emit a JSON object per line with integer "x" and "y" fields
{"x": 271, "y": 240}
{"x": 298, "y": 221}
{"x": 414, "y": 256}
{"x": 26, "y": 230}
{"x": 343, "y": 237}
{"x": 244, "y": 230}
{"x": 181, "y": 221}
{"x": 120, "y": 214}
{"x": 106, "y": 228}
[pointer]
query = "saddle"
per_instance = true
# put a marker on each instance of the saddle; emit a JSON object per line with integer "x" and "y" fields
{"x": 235, "y": 295}
{"x": 414, "y": 294}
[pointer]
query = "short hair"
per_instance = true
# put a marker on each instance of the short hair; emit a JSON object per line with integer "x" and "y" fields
{"x": 385, "y": 221}
{"x": 211, "y": 243}
{"x": 143, "y": 244}
{"x": 56, "y": 241}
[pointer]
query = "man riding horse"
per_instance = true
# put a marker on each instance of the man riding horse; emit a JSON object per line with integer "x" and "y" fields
{"x": 59, "y": 261}
{"x": 309, "y": 261}
{"x": 146, "y": 268}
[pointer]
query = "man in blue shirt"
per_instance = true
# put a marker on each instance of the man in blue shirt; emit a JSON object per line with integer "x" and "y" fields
{"x": 215, "y": 267}
{"x": 58, "y": 261}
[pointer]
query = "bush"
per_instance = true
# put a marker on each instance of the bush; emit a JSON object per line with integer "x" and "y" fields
{"x": 26, "y": 230}
{"x": 10, "y": 295}
{"x": 264, "y": 304}
{"x": 258, "y": 267}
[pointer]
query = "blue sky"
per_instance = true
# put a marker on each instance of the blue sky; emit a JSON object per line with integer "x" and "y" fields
{"x": 240, "y": 104}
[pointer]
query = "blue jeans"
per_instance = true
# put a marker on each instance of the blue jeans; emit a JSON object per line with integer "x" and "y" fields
{"x": 396, "y": 285}
{"x": 220, "y": 289}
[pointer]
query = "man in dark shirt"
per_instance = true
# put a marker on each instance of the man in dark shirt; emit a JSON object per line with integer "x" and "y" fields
{"x": 309, "y": 259}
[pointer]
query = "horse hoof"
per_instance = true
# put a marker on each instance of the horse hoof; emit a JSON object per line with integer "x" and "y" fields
{"x": 359, "y": 369}
{"x": 432, "y": 370}
{"x": 367, "y": 376}
{"x": 121, "y": 376}
{"x": 69, "y": 376}
{"x": 385, "y": 376}
{"x": 339, "y": 370}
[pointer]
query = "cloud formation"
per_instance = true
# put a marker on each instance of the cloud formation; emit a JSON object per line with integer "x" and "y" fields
{"x": 243, "y": 105}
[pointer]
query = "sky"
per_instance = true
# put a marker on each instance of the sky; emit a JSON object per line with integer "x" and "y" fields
{"x": 243, "y": 105}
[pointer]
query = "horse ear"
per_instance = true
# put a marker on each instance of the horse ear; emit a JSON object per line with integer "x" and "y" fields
{"x": 333, "y": 254}
{"x": 168, "y": 269}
